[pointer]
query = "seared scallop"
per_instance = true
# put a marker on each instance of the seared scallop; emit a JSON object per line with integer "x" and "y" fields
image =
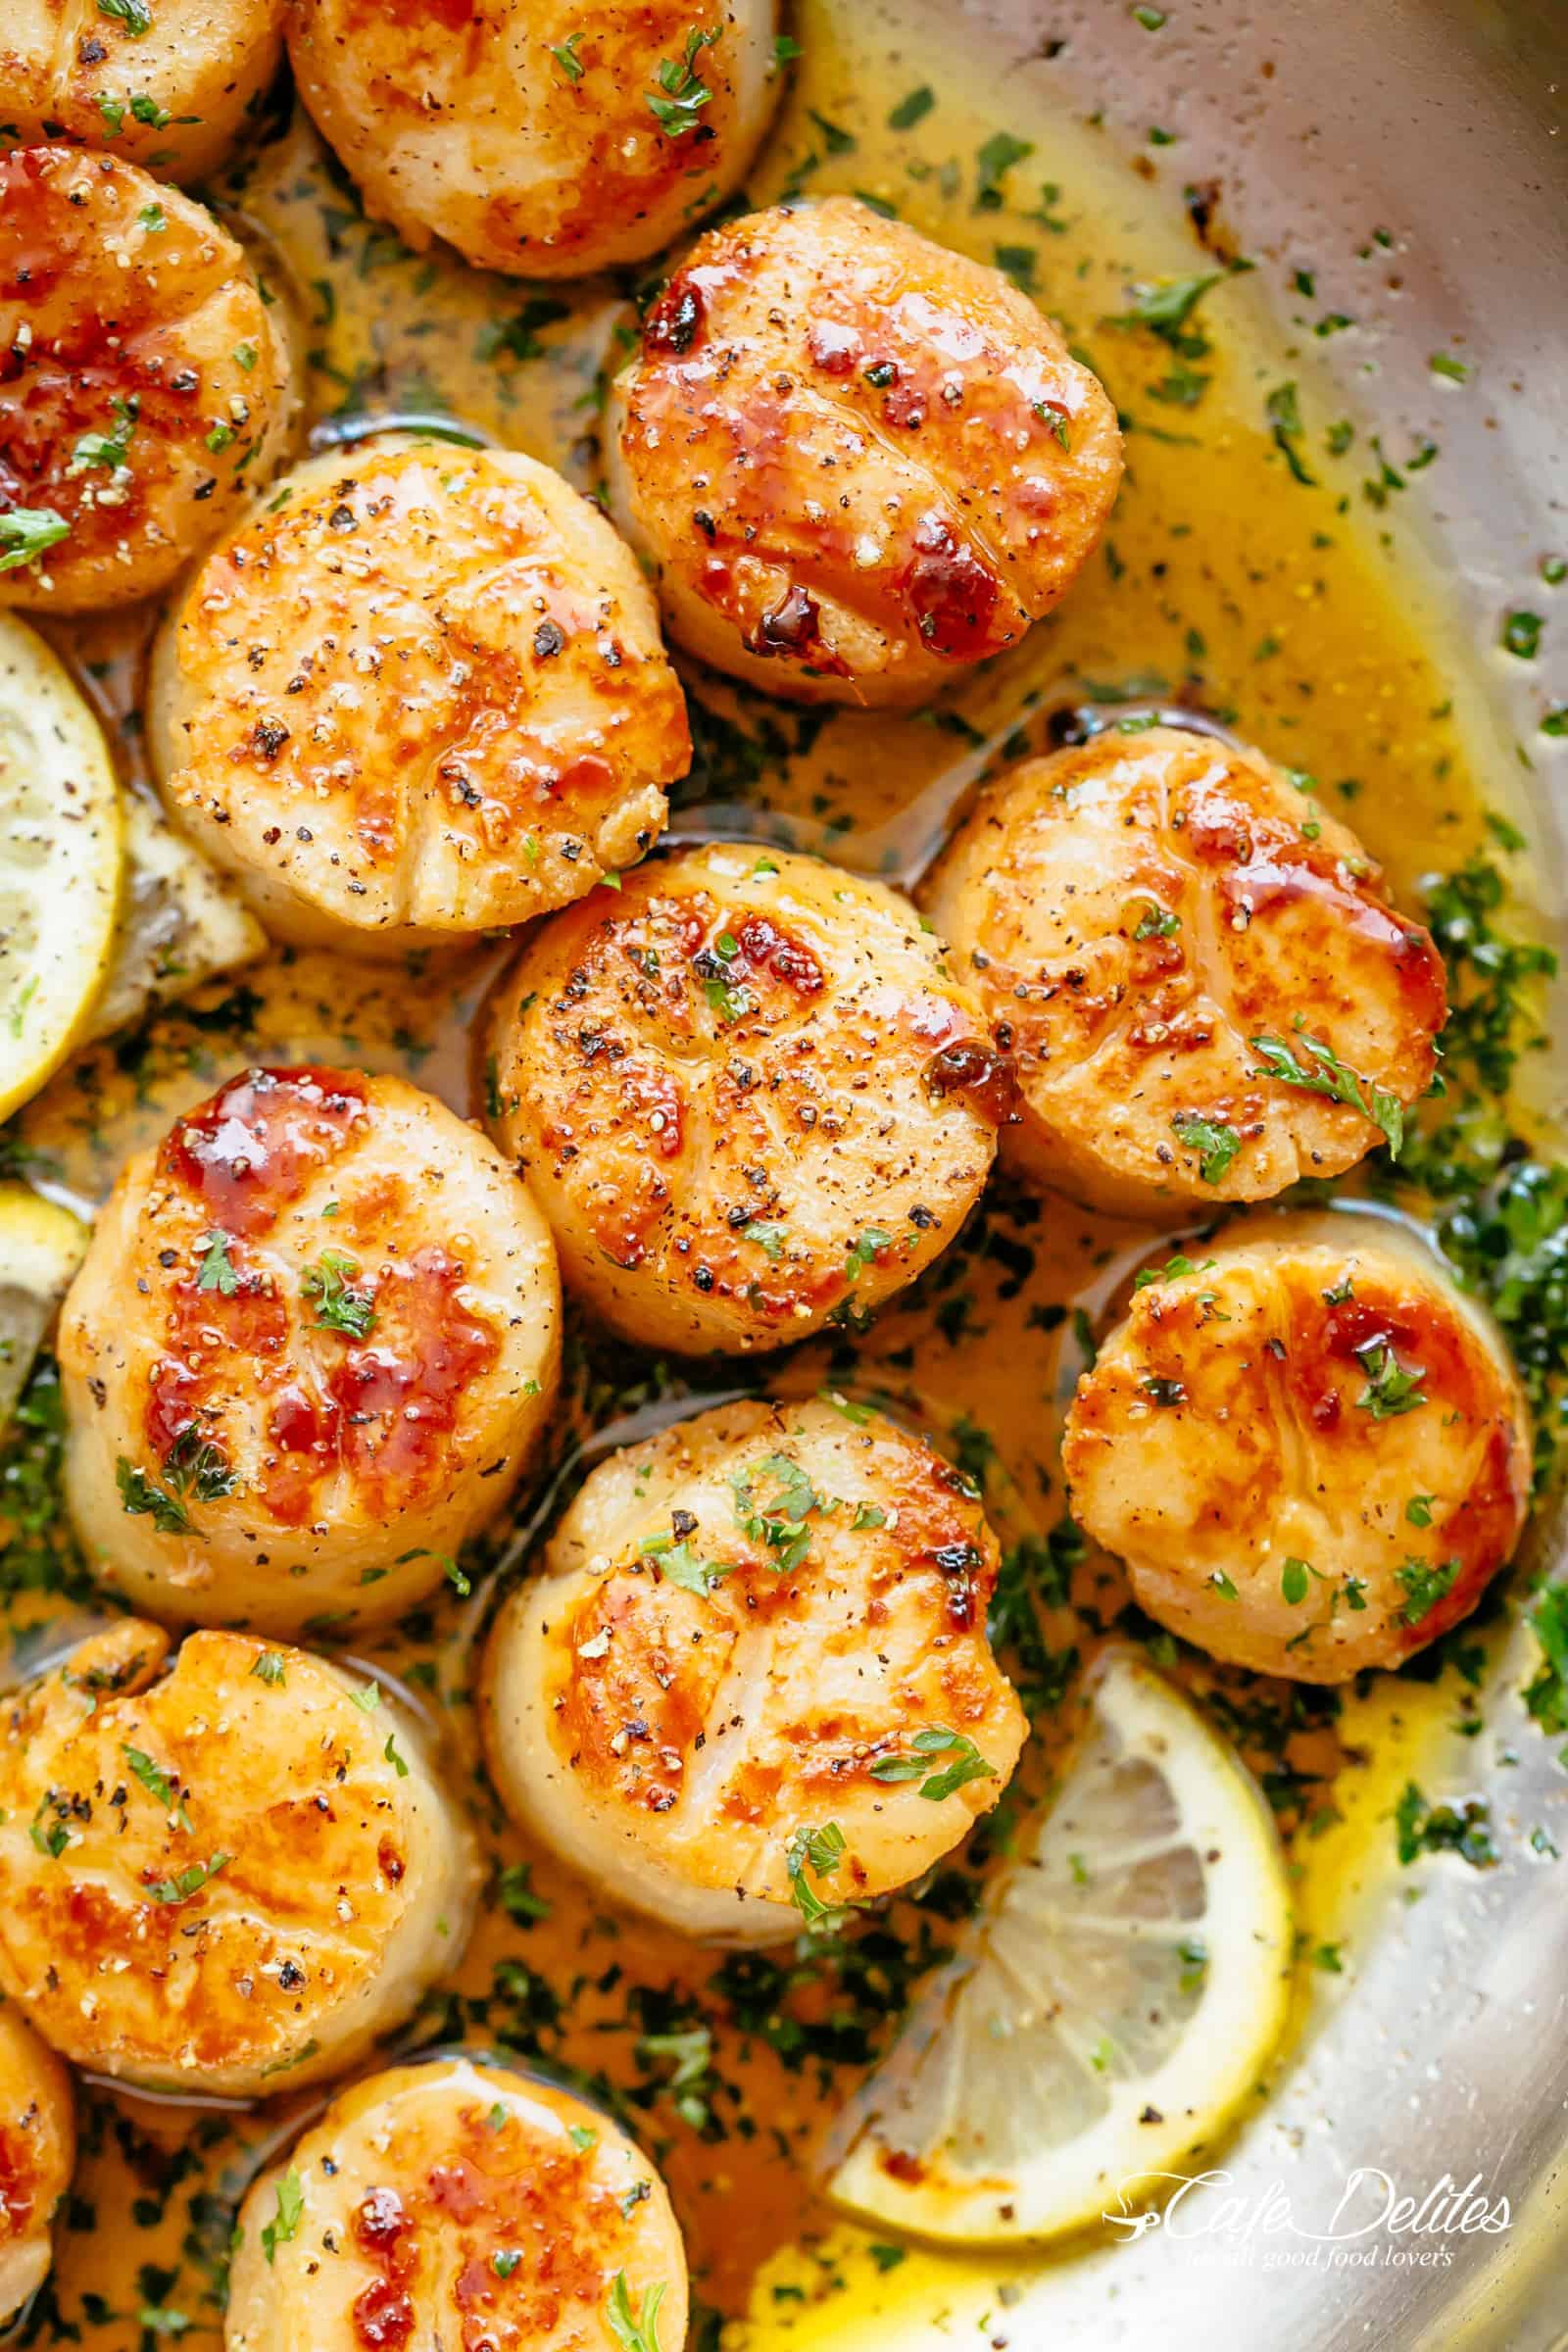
{"x": 459, "y": 2202}
{"x": 169, "y": 85}
{"x": 314, "y": 1336}
{"x": 749, "y": 1097}
{"x": 419, "y": 693}
{"x": 752, "y": 1685}
{"x": 854, "y": 462}
{"x": 1207, "y": 993}
{"x": 145, "y": 395}
{"x": 544, "y": 137}
{"x": 1308, "y": 1446}
{"x": 37, "y": 2154}
{"x": 225, "y": 1870}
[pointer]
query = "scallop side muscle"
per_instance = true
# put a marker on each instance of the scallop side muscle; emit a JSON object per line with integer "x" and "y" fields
{"x": 315, "y": 1337}
{"x": 225, "y": 1870}
{"x": 147, "y": 391}
{"x": 1208, "y": 994}
{"x": 458, "y": 2202}
{"x": 1308, "y": 1446}
{"x": 419, "y": 693}
{"x": 754, "y": 1677}
{"x": 854, "y": 461}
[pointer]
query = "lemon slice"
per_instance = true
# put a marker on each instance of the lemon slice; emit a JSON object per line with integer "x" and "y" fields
{"x": 60, "y": 860}
{"x": 1114, "y": 2000}
{"x": 40, "y": 1248}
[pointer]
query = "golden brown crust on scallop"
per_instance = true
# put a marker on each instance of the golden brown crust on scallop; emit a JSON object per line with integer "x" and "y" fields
{"x": 856, "y": 461}
{"x": 420, "y": 693}
{"x": 1135, "y": 914}
{"x": 314, "y": 1339}
{"x": 144, "y": 390}
{"x": 1313, "y": 1390}
{"x": 212, "y": 1871}
{"x": 522, "y": 131}
{"x": 743, "y": 1624}
{"x": 458, "y": 2202}
{"x": 37, "y": 2155}
{"x": 170, "y": 94}
{"x": 746, "y": 1094}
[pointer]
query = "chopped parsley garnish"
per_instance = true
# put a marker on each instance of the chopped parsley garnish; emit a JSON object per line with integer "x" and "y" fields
{"x": 1294, "y": 1577}
{"x": 1157, "y": 922}
{"x": 52, "y": 1842}
{"x": 1163, "y": 1391}
{"x": 684, "y": 92}
{"x": 1426, "y": 1581}
{"x": 566, "y": 58}
{"x": 27, "y": 532}
{"x": 157, "y": 1784}
{"x": 1330, "y": 1077}
{"x": 729, "y": 998}
{"x": 333, "y": 1287}
{"x": 994, "y": 160}
{"x": 639, "y": 2333}
{"x": 109, "y": 450}
{"x": 217, "y": 1269}
{"x": 141, "y": 1499}
{"x": 1546, "y": 1695}
{"x": 1521, "y": 635}
{"x": 1421, "y": 1828}
{"x": 1192, "y": 1954}
{"x": 285, "y": 2223}
{"x": 193, "y": 1466}
{"x": 1284, "y": 413}
{"x": 1389, "y": 1388}
{"x": 678, "y": 1564}
{"x": 1215, "y": 1143}
{"x": 864, "y": 1250}
{"x": 1166, "y": 309}
{"x": 967, "y": 1764}
{"x": 819, "y": 1852}
{"x": 780, "y": 1521}
{"x": 136, "y": 15}
{"x": 186, "y": 1883}
{"x": 912, "y": 109}
{"x": 269, "y": 1667}
{"x": 1173, "y": 1270}
{"x": 518, "y": 1900}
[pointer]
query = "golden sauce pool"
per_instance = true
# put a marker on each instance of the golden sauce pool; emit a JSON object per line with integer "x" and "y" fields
{"x": 1227, "y": 585}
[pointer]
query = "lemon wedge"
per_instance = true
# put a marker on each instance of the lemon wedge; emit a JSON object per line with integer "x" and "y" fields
{"x": 40, "y": 1248}
{"x": 1112, "y": 2004}
{"x": 60, "y": 862}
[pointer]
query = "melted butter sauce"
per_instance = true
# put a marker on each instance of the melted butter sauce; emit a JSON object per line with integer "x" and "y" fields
{"x": 1225, "y": 588}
